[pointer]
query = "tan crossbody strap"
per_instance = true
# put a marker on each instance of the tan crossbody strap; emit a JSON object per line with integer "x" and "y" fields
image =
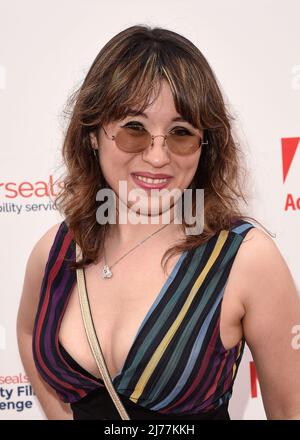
{"x": 93, "y": 340}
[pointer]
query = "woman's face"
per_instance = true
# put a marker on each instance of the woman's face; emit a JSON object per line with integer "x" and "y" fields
{"x": 158, "y": 160}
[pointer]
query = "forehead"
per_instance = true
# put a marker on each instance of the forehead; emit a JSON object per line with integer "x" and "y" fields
{"x": 136, "y": 112}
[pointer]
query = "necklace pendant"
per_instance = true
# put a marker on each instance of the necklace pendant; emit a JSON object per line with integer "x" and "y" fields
{"x": 106, "y": 272}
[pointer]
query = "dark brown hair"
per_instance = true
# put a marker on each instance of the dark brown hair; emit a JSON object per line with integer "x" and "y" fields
{"x": 125, "y": 74}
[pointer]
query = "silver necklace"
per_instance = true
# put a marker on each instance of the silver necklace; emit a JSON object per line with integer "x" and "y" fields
{"x": 106, "y": 270}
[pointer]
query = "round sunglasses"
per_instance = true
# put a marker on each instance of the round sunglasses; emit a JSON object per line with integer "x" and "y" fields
{"x": 135, "y": 138}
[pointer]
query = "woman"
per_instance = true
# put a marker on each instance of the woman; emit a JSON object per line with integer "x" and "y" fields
{"x": 172, "y": 336}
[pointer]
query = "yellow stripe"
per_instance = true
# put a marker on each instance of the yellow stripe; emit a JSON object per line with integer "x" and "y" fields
{"x": 238, "y": 355}
{"x": 171, "y": 332}
{"x": 233, "y": 369}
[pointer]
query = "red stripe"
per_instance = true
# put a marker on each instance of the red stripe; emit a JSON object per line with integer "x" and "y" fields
{"x": 213, "y": 387}
{"x": 196, "y": 382}
{"x": 52, "y": 275}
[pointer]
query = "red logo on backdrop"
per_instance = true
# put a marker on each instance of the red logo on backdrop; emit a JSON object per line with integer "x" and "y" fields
{"x": 288, "y": 150}
{"x": 253, "y": 379}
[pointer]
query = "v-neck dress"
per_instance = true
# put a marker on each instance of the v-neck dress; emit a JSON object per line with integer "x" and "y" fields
{"x": 177, "y": 366}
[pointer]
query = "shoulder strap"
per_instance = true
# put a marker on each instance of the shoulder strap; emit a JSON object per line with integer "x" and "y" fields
{"x": 93, "y": 340}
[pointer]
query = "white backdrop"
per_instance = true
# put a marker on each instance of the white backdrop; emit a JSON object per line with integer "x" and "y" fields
{"x": 46, "y": 48}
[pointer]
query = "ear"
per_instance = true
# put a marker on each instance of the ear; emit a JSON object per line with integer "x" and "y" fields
{"x": 93, "y": 140}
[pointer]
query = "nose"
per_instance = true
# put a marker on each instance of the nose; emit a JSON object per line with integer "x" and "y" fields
{"x": 157, "y": 152}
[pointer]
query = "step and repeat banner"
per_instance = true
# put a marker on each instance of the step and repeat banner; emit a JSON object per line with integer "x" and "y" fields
{"x": 46, "y": 49}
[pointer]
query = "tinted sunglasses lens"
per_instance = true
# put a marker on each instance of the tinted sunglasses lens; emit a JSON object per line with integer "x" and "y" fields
{"x": 132, "y": 140}
{"x": 183, "y": 144}
{"x": 135, "y": 140}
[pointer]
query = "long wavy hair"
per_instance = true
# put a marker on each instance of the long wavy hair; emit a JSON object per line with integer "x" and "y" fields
{"x": 124, "y": 75}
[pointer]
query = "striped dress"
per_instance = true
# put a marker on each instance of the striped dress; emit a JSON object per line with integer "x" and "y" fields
{"x": 177, "y": 366}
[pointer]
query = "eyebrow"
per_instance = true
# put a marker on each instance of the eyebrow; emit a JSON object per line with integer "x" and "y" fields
{"x": 133, "y": 112}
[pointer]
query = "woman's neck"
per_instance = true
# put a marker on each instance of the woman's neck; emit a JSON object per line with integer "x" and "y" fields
{"x": 130, "y": 233}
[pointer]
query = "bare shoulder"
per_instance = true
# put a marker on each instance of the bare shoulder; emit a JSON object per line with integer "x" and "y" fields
{"x": 242, "y": 281}
{"x": 272, "y": 309}
{"x": 33, "y": 277}
{"x": 258, "y": 237}
{"x": 39, "y": 252}
{"x": 259, "y": 259}
{"x": 43, "y": 245}
{"x": 265, "y": 280}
